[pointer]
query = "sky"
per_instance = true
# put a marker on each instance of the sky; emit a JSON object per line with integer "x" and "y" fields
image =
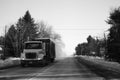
{"x": 74, "y": 20}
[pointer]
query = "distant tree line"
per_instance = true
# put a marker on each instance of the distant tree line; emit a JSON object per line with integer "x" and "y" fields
{"x": 91, "y": 48}
{"x": 111, "y": 44}
{"x": 25, "y": 29}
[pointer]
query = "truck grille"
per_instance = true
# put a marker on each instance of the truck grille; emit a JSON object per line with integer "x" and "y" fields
{"x": 31, "y": 55}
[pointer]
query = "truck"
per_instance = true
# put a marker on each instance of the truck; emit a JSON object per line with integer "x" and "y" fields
{"x": 40, "y": 51}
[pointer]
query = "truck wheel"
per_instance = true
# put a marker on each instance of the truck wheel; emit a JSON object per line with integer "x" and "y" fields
{"x": 22, "y": 65}
{"x": 52, "y": 60}
{"x": 44, "y": 63}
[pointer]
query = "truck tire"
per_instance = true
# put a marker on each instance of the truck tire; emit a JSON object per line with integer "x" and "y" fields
{"x": 52, "y": 60}
{"x": 22, "y": 65}
{"x": 44, "y": 63}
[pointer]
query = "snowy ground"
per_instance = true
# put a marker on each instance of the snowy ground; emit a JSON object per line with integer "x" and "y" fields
{"x": 9, "y": 62}
{"x": 100, "y": 61}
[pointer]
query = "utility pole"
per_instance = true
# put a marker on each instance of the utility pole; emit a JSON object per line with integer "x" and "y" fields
{"x": 4, "y": 54}
{"x": 105, "y": 38}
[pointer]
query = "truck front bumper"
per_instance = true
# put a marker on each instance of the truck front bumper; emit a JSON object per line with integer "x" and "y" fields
{"x": 31, "y": 61}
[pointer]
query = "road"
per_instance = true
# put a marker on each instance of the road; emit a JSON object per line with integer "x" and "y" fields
{"x": 62, "y": 69}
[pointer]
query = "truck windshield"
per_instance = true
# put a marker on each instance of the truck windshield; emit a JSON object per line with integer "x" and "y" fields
{"x": 33, "y": 46}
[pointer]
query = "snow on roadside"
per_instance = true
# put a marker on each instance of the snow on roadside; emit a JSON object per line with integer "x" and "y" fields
{"x": 9, "y": 62}
{"x": 111, "y": 65}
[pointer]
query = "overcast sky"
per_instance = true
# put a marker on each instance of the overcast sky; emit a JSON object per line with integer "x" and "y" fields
{"x": 74, "y": 20}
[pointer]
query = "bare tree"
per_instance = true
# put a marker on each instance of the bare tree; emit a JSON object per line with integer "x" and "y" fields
{"x": 46, "y": 31}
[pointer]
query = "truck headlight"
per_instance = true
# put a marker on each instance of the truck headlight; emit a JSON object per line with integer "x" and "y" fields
{"x": 22, "y": 58}
{"x": 39, "y": 58}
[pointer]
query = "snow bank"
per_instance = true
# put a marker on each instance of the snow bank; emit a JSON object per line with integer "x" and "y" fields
{"x": 100, "y": 61}
{"x": 9, "y": 62}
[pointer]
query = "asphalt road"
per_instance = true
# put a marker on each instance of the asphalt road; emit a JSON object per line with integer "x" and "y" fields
{"x": 62, "y": 69}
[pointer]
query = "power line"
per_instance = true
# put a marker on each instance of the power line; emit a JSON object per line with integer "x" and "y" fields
{"x": 80, "y": 29}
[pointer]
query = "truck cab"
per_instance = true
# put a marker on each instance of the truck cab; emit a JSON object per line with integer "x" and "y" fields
{"x": 33, "y": 52}
{"x": 38, "y": 51}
